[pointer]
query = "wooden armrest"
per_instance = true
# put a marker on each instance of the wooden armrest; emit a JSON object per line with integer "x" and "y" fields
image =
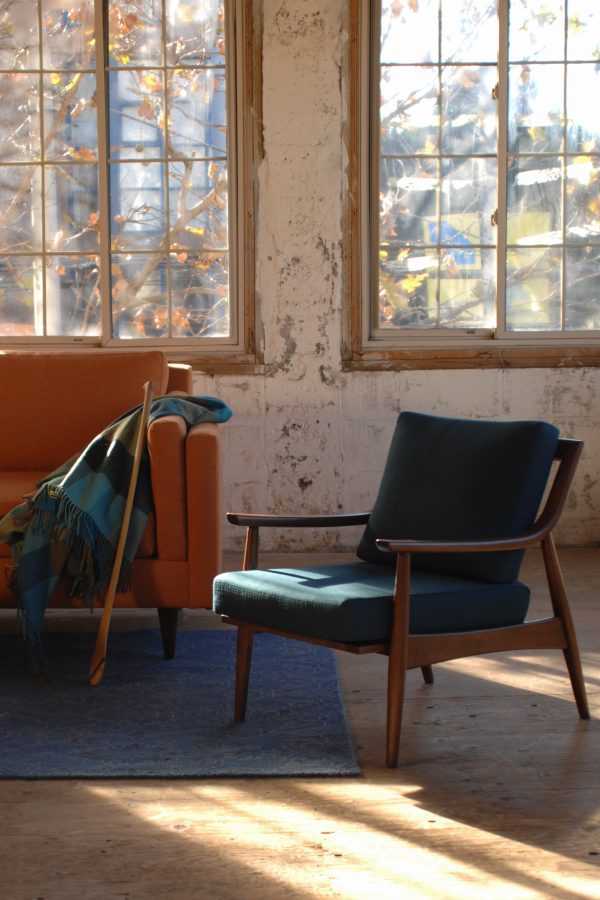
{"x": 518, "y": 542}
{"x": 283, "y": 521}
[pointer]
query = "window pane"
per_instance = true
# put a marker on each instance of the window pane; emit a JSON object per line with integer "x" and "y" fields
{"x": 469, "y": 112}
{"x": 72, "y": 216}
{"x": 533, "y": 290}
{"x": 199, "y": 284}
{"x": 408, "y": 193}
{"x": 469, "y": 31}
{"x": 583, "y": 82}
{"x": 19, "y": 40}
{"x": 467, "y": 288}
{"x": 70, "y": 116}
{"x": 20, "y": 280}
{"x": 73, "y": 296}
{"x": 529, "y": 228}
{"x": 409, "y": 31}
{"x": 409, "y": 109}
{"x": 140, "y": 295}
{"x": 469, "y": 192}
{"x": 583, "y": 199}
{"x": 137, "y": 114}
{"x": 197, "y": 112}
{"x": 198, "y": 205}
{"x": 20, "y": 201}
{"x": 135, "y": 33}
{"x": 408, "y": 279}
{"x": 536, "y": 30}
{"x": 195, "y": 32}
{"x": 583, "y": 29}
{"x": 535, "y": 108}
{"x": 582, "y": 275}
{"x": 535, "y": 200}
{"x": 20, "y": 139}
{"x": 137, "y": 204}
{"x": 68, "y": 34}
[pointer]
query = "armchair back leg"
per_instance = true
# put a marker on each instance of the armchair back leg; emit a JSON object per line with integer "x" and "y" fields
{"x": 560, "y": 605}
{"x": 427, "y": 672}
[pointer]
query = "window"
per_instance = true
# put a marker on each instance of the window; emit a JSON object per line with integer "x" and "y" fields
{"x": 479, "y": 172}
{"x": 123, "y": 193}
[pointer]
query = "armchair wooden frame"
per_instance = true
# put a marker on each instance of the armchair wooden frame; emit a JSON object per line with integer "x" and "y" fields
{"x": 406, "y": 651}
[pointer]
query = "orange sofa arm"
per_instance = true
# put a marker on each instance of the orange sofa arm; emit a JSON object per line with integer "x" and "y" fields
{"x": 203, "y": 466}
{"x": 186, "y": 487}
{"x": 166, "y": 450}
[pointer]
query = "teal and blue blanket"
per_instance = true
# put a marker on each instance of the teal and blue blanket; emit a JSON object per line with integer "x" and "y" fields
{"x": 71, "y": 523}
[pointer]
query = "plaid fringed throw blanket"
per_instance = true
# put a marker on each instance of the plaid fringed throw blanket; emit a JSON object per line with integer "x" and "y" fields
{"x": 71, "y": 523}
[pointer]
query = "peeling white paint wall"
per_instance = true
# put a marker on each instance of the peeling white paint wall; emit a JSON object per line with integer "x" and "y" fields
{"x": 306, "y": 437}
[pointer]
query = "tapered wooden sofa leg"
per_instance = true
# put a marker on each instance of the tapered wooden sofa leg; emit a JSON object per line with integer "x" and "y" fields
{"x": 245, "y": 638}
{"x": 168, "y": 618}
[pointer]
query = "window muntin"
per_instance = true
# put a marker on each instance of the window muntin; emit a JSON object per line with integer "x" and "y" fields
{"x": 448, "y": 161}
{"x": 145, "y": 252}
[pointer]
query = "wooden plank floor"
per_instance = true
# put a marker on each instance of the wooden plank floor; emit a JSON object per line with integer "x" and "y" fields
{"x": 496, "y": 797}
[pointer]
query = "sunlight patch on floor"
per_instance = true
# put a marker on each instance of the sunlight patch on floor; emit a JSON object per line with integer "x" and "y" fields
{"x": 540, "y": 672}
{"x": 364, "y": 839}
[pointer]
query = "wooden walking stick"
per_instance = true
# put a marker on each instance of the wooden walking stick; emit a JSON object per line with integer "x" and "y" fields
{"x": 99, "y": 655}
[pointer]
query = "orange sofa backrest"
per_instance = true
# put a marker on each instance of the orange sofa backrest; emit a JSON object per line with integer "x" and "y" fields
{"x": 54, "y": 403}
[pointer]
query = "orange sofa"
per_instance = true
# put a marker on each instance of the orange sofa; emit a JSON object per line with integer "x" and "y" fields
{"x": 54, "y": 403}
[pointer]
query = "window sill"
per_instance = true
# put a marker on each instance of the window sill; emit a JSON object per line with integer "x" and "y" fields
{"x": 488, "y": 357}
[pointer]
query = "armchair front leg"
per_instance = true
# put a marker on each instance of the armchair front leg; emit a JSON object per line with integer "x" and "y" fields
{"x": 398, "y": 658}
{"x": 245, "y": 639}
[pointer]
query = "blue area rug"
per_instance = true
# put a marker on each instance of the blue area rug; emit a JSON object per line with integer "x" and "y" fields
{"x": 153, "y": 718}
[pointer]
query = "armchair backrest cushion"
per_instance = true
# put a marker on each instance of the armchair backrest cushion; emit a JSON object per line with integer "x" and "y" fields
{"x": 461, "y": 479}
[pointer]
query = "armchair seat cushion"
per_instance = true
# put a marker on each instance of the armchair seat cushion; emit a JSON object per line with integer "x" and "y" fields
{"x": 352, "y": 602}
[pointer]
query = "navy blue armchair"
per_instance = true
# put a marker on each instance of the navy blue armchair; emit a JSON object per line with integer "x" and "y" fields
{"x": 436, "y": 573}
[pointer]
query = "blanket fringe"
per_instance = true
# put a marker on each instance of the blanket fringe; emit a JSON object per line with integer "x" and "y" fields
{"x": 91, "y": 554}
{"x": 35, "y": 659}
